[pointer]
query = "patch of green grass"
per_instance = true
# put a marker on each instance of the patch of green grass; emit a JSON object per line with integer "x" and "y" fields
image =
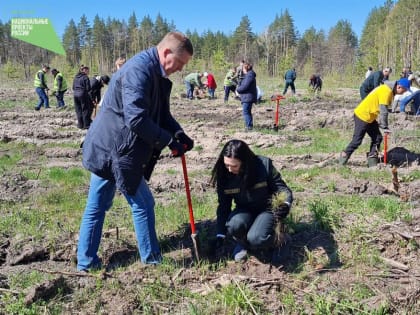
{"x": 172, "y": 171}
{"x": 176, "y": 213}
{"x": 73, "y": 177}
{"x": 17, "y": 306}
{"x": 233, "y": 298}
{"x": 290, "y": 304}
{"x": 316, "y": 141}
{"x": 8, "y": 161}
{"x": 389, "y": 208}
{"x": 198, "y": 148}
{"x": 23, "y": 281}
{"x": 346, "y": 302}
{"x": 325, "y": 218}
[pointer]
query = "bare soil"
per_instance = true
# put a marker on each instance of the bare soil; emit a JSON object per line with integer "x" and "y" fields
{"x": 206, "y": 121}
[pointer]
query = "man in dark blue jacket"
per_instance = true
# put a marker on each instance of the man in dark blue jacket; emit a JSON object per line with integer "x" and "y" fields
{"x": 374, "y": 80}
{"x": 289, "y": 78}
{"x": 124, "y": 142}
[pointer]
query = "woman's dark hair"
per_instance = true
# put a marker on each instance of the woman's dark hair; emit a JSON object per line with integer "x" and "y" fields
{"x": 235, "y": 149}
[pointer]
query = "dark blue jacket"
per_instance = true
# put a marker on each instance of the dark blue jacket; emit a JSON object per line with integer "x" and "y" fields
{"x": 248, "y": 88}
{"x": 254, "y": 200}
{"x": 81, "y": 85}
{"x": 133, "y": 125}
{"x": 290, "y": 75}
{"x": 95, "y": 89}
{"x": 373, "y": 80}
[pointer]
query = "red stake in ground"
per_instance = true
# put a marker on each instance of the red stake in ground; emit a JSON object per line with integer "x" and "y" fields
{"x": 385, "y": 146}
{"x": 277, "y": 98}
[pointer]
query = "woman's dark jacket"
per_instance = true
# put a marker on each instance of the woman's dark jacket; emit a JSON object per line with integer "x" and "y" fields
{"x": 133, "y": 125}
{"x": 256, "y": 199}
{"x": 247, "y": 89}
{"x": 95, "y": 89}
{"x": 81, "y": 85}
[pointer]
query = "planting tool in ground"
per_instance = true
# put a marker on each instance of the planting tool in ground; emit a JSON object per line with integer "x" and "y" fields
{"x": 385, "y": 146}
{"x": 194, "y": 233}
{"x": 277, "y": 98}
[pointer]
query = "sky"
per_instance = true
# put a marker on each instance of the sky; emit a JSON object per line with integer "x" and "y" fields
{"x": 213, "y": 15}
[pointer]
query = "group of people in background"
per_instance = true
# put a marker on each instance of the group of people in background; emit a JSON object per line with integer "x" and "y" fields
{"x": 196, "y": 87}
{"x": 87, "y": 95}
{"x": 379, "y": 96}
{"x": 241, "y": 81}
{"x": 86, "y": 91}
{"x": 41, "y": 87}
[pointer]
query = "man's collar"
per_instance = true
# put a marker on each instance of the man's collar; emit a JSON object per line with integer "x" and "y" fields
{"x": 163, "y": 71}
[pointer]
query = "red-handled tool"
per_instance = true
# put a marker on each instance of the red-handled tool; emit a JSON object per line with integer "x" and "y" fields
{"x": 194, "y": 234}
{"x": 385, "y": 147}
{"x": 277, "y": 98}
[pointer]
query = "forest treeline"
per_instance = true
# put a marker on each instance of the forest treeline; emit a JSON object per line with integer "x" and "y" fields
{"x": 390, "y": 37}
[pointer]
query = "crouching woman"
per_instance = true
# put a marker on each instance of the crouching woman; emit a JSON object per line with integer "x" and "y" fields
{"x": 255, "y": 185}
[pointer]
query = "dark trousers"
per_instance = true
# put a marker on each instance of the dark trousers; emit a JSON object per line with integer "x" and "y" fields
{"x": 84, "y": 109}
{"x": 59, "y": 95}
{"x": 247, "y": 113}
{"x": 360, "y": 129}
{"x": 253, "y": 232}
{"x": 190, "y": 90}
{"x": 227, "y": 91}
{"x": 292, "y": 86}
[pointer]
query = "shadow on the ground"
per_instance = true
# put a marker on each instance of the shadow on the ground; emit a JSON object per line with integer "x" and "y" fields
{"x": 307, "y": 245}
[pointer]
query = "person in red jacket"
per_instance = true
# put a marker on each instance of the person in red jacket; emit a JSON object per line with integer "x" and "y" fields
{"x": 211, "y": 84}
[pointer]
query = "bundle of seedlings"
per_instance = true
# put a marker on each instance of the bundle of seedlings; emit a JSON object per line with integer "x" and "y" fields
{"x": 280, "y": 228}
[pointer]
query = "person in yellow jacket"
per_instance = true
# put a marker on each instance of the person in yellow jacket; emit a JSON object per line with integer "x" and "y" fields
{"x": 60, "y": 87}
{"x": 365, "y": 115}
{"x": 41, "y": 87}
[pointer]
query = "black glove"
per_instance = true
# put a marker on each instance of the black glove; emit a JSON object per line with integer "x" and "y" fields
{"x": 281, "y": 212}
{"x": 215, "y": 244}
{"x": 184, "y": 139}
{"x": 176, "y": 147}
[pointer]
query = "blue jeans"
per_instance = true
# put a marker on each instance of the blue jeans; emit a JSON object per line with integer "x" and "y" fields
{"x": 101, "y": 194}
{"x": 60, "y": 98}
{"x": 211, "y": 93}
{"x": 415, "y": 97}
{"x": 250, "y": 231}
{"x": 246, "y": 110}
{"x": 43, "y": 98}
{"x": 190, "y": 90}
